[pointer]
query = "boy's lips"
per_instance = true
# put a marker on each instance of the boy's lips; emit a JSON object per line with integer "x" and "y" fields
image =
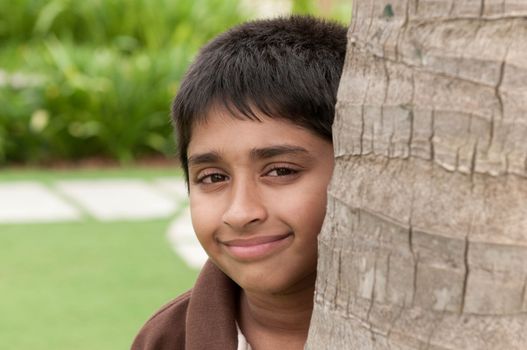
{"x": 256, "y": 247}
{"x": 247, "y": 242}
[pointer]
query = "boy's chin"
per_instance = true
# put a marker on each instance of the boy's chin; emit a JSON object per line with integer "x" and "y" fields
{"x": 276, "y": 285}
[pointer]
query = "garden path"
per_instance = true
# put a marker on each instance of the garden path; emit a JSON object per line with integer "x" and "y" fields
{"x": 105, "y": 200}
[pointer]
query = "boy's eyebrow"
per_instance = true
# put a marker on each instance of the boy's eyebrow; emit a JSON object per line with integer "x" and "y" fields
{"x": 273, "y": 151}
{"x": 201, "y": 158}
{"x": 256, "y": 153}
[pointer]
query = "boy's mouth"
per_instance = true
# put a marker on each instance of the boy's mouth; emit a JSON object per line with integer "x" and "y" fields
{"x": 257, "y": 247}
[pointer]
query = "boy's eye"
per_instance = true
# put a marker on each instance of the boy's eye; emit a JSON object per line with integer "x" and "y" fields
{"x": 212, "y": 178}
{"x": 282, "y": 171}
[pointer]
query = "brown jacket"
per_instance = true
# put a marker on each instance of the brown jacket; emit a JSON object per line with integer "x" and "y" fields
{"x": 202, "y": 318}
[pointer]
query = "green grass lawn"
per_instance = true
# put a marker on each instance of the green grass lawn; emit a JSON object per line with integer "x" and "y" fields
{"x": 47, "y": 175}
{"x": 84, "y": 285}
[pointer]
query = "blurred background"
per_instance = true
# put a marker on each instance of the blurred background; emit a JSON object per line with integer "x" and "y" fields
{"x": 94, "y": 227}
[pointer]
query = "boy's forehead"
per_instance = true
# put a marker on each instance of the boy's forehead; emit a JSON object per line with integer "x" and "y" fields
{"x": 227, "y": 110}
{"x": 223, "y": 121}
{"x": 219, "y": 113}
{"x": 220, "y": 129}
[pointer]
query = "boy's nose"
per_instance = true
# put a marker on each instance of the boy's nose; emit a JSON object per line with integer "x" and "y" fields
{"x": 245, "y": 208}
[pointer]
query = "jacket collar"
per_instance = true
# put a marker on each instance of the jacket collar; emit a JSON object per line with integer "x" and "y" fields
{"x": 211, "y": 316}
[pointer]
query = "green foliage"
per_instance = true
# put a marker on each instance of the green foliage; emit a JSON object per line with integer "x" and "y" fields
{"x": 79, "y": 79}
{"x": 132, "y": 24}
{"x": 337, "y": 10}
{"x": 303, "y": 6}
{"x": 91, "y": 101}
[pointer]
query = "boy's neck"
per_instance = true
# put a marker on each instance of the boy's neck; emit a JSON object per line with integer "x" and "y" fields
{"x": 277, "y": 321}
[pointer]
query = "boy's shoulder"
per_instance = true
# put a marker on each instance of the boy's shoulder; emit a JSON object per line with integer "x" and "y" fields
{"x": 167, "y": 327}
{"x": 176, "y": 305}
{"x": 201, "y": 318}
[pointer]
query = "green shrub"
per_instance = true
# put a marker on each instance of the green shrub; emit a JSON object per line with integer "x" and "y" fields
{"x": 91, "y": 102}
{"x": 84, "y": 79}
{"x": 131, "y": 24}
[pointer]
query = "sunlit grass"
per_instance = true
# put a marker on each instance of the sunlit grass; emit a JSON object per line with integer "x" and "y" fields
{"x": 84, "y": 285}
{"x": 50, "y": 175}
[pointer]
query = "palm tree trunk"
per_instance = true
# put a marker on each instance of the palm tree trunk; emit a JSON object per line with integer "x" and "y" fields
{"x": 424, "y": 245}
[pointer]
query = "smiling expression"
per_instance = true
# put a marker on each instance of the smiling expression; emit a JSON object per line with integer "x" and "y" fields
{"x": 258, "y": 199}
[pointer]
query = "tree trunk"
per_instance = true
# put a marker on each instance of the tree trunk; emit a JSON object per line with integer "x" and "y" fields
{"x": 424, "y": 245}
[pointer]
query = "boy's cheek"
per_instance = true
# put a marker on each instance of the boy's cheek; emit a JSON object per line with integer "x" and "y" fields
{"x": 203, "y": 223}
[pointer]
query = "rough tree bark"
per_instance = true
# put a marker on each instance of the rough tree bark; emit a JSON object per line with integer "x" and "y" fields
{"x": 424, "y": 245}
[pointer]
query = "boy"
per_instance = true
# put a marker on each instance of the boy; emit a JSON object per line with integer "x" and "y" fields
{"x": 253, "y": 119}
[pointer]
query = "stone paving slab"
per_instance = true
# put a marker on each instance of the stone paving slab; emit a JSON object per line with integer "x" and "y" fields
{"x": 106, "y": 200}
{"x": 30, "y": 202}
{"x": 174, "y": 186}
{"x": 119, "y": 199}
{"x": 183, "y": 240}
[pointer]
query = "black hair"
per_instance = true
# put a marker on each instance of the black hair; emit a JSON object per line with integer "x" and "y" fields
{"x": 286, "y": 68}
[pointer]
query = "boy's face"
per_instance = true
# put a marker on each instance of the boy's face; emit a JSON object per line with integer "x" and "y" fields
{"x": 258, "y": 199}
